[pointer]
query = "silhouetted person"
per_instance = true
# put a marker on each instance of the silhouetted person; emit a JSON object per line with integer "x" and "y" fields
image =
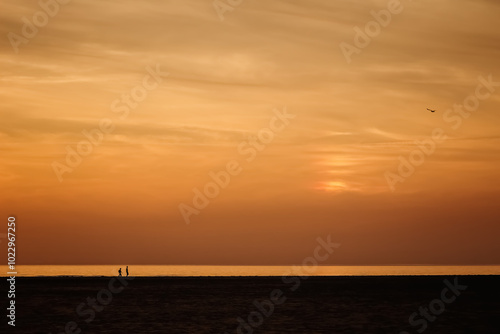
{"x": 127, "y": 271}
{"x": 120, "y": 272}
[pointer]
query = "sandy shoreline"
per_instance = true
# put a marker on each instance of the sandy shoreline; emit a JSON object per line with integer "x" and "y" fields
{"x": 256, "y": 304}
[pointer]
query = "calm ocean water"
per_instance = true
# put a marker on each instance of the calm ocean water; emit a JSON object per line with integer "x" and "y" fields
{"x": 154, "y": 270}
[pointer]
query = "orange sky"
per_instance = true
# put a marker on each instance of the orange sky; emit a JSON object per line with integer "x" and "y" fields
{"x": 323, "y": 173}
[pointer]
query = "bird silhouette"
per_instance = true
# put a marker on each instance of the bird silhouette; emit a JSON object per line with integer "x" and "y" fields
{"x": 431, "y": 110}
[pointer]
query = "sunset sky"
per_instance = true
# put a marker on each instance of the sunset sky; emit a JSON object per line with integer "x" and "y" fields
{"x": 323, "y": 174}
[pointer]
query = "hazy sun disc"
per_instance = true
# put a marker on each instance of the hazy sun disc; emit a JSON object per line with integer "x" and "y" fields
{"x": 335, "y": 186}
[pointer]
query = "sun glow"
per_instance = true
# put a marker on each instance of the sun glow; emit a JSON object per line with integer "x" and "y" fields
{"x": 334, "y": 186}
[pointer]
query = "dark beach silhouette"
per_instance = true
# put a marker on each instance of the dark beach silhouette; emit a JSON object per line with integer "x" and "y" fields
{"x": 346, "y": 301}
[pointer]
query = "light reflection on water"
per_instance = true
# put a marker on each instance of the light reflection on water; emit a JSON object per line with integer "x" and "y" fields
{"x": 163, "y": 270}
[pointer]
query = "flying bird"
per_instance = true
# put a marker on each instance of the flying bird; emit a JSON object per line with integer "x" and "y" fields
{"x": 431, "y": 110}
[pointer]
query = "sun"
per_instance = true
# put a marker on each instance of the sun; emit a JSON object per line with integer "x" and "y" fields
{"x": 333, "y": 186}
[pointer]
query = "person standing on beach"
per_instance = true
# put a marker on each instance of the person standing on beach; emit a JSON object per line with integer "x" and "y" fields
{"x": 120, "y": 272}
{"x": 127, "y": 271}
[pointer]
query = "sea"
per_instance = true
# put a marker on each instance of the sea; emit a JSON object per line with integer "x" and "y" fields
{"x": 247, "y": 271}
